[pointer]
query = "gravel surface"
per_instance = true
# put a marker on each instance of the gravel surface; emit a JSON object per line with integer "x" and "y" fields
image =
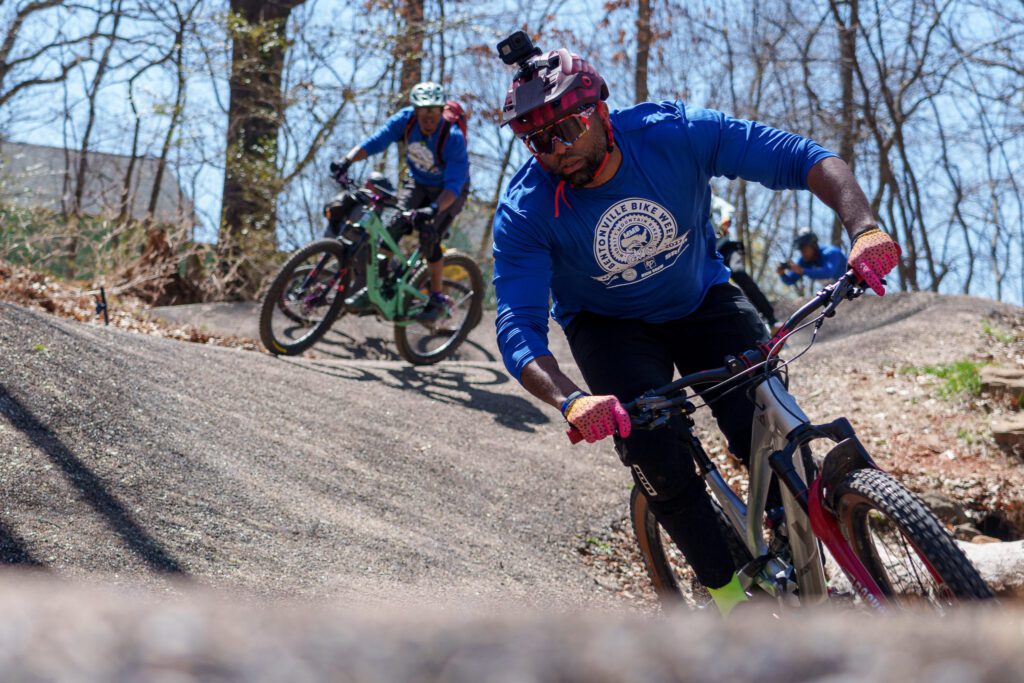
{"x": 346, "y": 473}
{"x": 147, "y": 459}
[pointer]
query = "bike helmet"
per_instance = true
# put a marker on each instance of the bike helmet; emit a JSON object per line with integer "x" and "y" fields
{"x": 804, "y": 238}
{"x": 550, "y": 87}
{"x": 427, "y": 94}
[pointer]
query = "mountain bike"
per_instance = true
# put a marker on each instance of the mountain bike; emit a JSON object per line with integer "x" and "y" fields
{"x": 308, "y": 294}
{"x": 886, "y": 547}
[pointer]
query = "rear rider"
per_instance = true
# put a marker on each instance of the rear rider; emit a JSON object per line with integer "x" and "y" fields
{"x": 609, "y": 220}
{"x": 438, "y": 164}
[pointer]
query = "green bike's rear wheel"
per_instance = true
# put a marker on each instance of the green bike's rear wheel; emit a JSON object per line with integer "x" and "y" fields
{"x": 305, "y": 298}
{"x": 423, "y": 343}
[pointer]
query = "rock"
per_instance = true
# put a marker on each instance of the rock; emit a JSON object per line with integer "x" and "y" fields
{"x": 1001, "y": 382}
{"x": 1000, "y": 564}
{"x": 982, "y": 538}
{"x": 945, "y": 508}
{"x": 965, "y": 532}
{"x": 1009, "y": 433}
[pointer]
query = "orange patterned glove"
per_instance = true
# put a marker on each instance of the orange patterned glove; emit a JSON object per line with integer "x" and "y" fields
{"x": 872, "y": 256}
{"x": 597, "y": 416}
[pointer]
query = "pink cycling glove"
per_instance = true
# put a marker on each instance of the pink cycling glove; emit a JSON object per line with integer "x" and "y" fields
{"x": 597, "y": 417}
{"x": 872, "y": 256}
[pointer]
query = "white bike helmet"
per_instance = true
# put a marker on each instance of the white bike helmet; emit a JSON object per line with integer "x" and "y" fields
{"x": 427, "y": 94}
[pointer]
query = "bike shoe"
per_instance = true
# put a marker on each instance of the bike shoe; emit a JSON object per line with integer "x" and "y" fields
{"x": 438, "y": 307}
{"x": 359, "y": 303}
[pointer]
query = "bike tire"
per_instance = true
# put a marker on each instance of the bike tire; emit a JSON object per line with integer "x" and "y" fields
{"x": 277, "y": 344}
{"x": 863, "y": 498}
{"x": 412, "y": 352}
{"x": 648, "y": 534}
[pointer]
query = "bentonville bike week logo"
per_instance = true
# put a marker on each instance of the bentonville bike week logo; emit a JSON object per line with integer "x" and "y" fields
{"x": 421, "y": 156}
{"x": 635, "y": 239}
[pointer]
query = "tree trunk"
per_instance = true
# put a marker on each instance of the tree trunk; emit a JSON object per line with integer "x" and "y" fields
{"x": 409, "y": 49}
{"x": 643, "y": 47}
{"x": 247, "y": 241}
{"x": 847, "y": 31}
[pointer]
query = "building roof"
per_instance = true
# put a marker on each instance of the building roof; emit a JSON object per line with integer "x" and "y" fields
{"x": 37, "y": 176}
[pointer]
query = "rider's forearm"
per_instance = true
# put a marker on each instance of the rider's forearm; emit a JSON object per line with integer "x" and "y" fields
{"x": 833, "y": 183}
{"x": 446, "y": 199}
{"x": 357, "y": 153}
{"x": 542, "y": 378}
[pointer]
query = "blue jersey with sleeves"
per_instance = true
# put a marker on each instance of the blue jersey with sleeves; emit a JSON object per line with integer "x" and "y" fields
{"x": 830, "y": 265}
{"x": 640, "y": 246}
{"x": 451, "y": 171}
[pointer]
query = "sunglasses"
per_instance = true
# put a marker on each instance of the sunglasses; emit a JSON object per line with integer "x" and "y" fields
{"x": 566, "y": 131}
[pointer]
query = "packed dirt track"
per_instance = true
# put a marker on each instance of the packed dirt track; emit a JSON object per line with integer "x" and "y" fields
{"x": 352, "y": 517}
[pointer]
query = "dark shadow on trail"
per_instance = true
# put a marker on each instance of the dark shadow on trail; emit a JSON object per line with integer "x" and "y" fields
{"x": 461, "y": 385}
{"x": 90, "y": 487}
{"x": 13, "y": 550}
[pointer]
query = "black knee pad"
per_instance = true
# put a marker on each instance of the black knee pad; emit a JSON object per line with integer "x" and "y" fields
{"x": 683, "y": 499}
{"x": 660, "y": 461}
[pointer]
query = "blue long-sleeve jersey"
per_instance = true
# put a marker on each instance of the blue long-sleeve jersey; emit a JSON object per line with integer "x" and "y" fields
{"x": 639, "y": 246}
{"x": 830, "y": 265}
{"x": 450, "y": 171}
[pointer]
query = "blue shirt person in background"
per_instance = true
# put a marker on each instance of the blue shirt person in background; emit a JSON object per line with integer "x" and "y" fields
{"x": 438, "y": 164}
{"x": 610, "y": 221}
{"x": 815, "y": 262}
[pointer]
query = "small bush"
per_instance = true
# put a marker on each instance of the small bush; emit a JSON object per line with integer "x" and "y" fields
{"x": 962, "y": 377}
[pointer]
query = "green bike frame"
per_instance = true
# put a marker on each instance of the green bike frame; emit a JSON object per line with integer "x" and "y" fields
{"x": 393, "y": 308}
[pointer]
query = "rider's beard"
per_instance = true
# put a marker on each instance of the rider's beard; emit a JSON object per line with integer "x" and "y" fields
{"x": 592, "y": 159}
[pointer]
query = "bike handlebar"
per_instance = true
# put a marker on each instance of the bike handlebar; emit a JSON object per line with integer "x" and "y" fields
{"x": 829, "y": 297}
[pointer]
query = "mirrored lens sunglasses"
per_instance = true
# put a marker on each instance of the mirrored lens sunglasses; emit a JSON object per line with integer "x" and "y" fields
{"x": 566, "y": 131}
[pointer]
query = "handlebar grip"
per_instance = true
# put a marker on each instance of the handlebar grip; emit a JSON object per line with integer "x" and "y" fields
{"x": 575, "y": 435}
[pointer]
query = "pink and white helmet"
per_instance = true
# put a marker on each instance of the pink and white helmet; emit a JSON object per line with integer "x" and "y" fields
{"x": 558, "y": 84}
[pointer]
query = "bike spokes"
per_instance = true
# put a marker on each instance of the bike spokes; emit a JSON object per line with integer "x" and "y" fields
{"x": 906, "y": 575}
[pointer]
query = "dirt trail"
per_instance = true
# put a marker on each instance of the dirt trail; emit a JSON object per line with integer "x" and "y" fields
{"x": 346, "y": 473}
{"x": 143, "y": 458}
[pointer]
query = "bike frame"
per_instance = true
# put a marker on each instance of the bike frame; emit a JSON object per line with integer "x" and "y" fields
{"x": 392, "y": 308}
{"x": 375, "y": 236}
{"x": 780, "y": 448}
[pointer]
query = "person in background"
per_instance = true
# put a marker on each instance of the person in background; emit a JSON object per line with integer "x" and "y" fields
{"x": 438, "y": 163}
{"x": 815, "y": 262}
{"x": 732, "y": 253}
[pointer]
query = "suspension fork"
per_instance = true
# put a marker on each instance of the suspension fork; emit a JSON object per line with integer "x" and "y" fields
{"x": 847, "y": 455}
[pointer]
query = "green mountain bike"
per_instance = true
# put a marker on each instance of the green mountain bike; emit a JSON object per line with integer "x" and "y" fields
{"x": 308, "y": 294}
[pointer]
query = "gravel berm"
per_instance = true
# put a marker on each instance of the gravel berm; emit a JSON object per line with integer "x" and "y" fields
{"x": 145, "y": 459}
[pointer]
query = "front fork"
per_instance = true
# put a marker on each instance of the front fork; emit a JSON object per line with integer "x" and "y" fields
{"x": 846, "y": 456}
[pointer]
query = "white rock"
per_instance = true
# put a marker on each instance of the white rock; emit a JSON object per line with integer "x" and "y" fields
{"x": 1000, "y": 564}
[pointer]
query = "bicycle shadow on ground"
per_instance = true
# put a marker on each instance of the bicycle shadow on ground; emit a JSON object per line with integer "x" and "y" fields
{"x": 90, "y": 488}
{"x": 342, "y": 346}
{"x": 13, "y": 550}
{"x": 462, "y": 385}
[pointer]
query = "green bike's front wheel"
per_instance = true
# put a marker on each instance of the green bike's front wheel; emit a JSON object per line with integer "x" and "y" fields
{"x": 423, "y": 343}
{"x": 305, "y": 298}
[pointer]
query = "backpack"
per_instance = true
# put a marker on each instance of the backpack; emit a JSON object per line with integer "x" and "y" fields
{"x": 452, "y": 114}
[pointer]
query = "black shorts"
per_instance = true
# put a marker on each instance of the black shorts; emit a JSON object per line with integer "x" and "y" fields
{"x": 416, "y": 196}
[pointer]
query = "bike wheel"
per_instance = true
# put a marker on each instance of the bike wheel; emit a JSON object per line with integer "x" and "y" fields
{"x": 902, "y": 544}
{"x": 670, "y": 573}
{"x": 305, "y": 298}
{"x": 422, "y": 343}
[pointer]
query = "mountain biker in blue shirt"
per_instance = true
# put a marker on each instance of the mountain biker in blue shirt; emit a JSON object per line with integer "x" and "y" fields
{"x": 438, "y": 164}
{"x": 609, "y": 220}
{"x": 815, "y": 262}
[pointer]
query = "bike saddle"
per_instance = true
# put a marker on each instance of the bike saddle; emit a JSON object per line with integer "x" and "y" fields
{"x": 379, "y": 184}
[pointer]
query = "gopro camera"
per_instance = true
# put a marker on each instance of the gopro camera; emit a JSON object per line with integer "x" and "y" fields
{"x": 517, "y": 49}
